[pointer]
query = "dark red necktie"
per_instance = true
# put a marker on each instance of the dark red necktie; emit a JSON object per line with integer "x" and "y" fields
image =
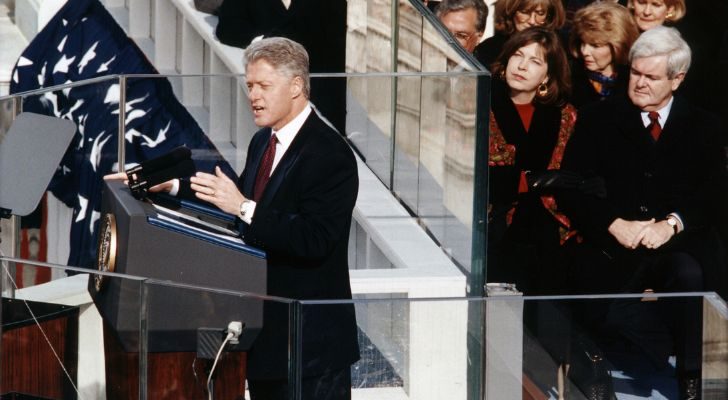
{"x": 266, "y": 164}
{"x": 654, "y": 126}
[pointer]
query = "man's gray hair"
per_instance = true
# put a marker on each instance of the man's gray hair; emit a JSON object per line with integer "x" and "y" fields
{"x": 448, "y": 6}
{"x": 286, "y": 56}
{"x": 663, "y": 41}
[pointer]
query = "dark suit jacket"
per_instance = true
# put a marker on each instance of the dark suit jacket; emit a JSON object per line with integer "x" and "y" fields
{"x": 302, "y": 221}
{"x": 681, "y": 172}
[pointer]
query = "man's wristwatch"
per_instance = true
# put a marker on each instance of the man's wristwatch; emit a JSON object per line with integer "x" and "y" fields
{"x": 244, "y": 208}
{"x": 672, "y": 221}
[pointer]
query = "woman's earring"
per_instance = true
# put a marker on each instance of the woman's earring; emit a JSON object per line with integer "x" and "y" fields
{"x": 542, "y": 89}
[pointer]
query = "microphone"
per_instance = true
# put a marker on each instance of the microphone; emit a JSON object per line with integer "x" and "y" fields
{"x": 175, "y": 164}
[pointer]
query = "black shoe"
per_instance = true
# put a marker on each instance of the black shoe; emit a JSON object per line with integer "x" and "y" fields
{"x": 689, "y": 388}
{"x": 589, "y": 371}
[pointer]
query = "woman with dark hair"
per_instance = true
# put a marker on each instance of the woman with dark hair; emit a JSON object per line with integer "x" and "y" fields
{"x": 530, "y": 124}
{"x": 600, "y": 39}
{"x": 514, "y": 16}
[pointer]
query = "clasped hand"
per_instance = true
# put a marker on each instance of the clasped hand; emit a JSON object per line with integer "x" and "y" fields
{"x": 650, "y": 234}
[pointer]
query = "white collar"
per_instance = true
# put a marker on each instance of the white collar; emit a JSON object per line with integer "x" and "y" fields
{"x": 664, "y": 112}
{"x": 286, "y": 134}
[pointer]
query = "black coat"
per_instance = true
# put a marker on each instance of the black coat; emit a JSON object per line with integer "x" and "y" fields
{"x": 528, "y": 251}
{"x": 302, "y": 221}
{"x": 682, "y": 172}
{"x": 488, "y": 50}
{"x": 318, "y": 25}
{"x": 582, "y": 91}
{"x": 705, "y": 29}
{"x": 534, "y": 148}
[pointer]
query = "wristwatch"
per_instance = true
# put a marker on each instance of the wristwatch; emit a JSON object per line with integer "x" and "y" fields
{"x": 672, "y": 221}
{"x": 244, "y": 208}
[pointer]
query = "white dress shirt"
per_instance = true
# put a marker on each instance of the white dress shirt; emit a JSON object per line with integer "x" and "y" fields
{"x": 663, "y": 112}
{"x": 285, "y": 137}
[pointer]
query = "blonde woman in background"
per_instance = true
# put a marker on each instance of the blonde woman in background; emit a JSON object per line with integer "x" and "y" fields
{"x": 651, "y": 13}
{"x": 600, "y": 39}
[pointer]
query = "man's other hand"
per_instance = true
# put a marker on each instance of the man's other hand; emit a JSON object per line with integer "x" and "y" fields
{"x": 655, "y": 234}
{"x": 626, "y": 232}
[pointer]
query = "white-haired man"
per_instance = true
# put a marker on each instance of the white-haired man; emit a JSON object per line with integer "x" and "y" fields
{"x": 663, "y": 164}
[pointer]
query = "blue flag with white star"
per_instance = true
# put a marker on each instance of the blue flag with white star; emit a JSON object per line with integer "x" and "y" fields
{"x": 81, "y": 42}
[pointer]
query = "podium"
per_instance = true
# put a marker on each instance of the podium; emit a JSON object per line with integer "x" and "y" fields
{"x": 171, "y": 245}
{"x": 30, "y": 369}
{"x": 39, "y": 340}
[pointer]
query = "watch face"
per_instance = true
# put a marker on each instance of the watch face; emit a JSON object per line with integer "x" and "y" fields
{"x": 106, "y": 251}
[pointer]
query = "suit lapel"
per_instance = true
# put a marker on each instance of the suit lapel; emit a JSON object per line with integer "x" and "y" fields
{"x": 630, "y": 124}
{"x": 674, "y": 125}
{"x": 289, "y": 159}
{"x": 256, "y": 157}
{"x": 633, "y": 127}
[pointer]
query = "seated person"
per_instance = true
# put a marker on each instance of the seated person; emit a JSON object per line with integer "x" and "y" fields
{"x": 662, "y": 164}
{"x": 464, "y": 19}
{"x": 514, "y": 16}
{"x": 651, "y": 13}
{"x": 530, "y": 124}
{"x": 601, "y": 36}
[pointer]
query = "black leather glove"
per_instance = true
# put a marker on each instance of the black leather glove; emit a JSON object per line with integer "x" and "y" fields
{"x": 553, "y": 179}
{"x": 594, "y": 186}
{"x": 561, "y": 179}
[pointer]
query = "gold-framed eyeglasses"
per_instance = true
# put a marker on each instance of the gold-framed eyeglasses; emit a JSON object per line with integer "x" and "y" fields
{"x": 463, "y": 36}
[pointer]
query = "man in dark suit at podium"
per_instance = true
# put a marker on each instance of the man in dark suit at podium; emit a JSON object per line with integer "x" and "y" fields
{"x": 295, "y": 199}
